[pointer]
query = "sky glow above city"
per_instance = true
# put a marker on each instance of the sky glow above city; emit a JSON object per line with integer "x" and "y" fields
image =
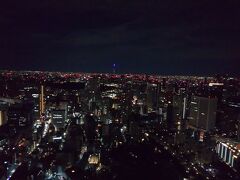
{"x": 146, "y": 36}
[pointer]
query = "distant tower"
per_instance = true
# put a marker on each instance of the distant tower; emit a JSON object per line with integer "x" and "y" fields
{"x": 114, "y": 68}
{"x": 41, "y": 103}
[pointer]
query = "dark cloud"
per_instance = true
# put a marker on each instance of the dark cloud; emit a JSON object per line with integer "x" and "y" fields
{"x": 151, "y": 36}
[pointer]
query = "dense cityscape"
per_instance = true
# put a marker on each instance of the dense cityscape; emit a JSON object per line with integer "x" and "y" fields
{"x": 119, "y": 90}
{"x": 57, "y": 125}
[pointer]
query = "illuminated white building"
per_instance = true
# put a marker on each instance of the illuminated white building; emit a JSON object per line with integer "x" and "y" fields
{"x": 229, "y": 152}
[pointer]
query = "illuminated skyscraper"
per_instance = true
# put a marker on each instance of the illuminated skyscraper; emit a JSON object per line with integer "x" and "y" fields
{"x": 42, "y": 103}
{"x": 58, "y": 118}
{"x": 152, "y": 97}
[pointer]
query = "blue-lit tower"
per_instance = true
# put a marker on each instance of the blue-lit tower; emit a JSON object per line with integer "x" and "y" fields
{"x": 114, "y": 68}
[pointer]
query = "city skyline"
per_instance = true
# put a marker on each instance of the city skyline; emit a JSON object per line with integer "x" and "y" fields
{"x": 119, "y": 90}
{"x": 79, "y": 126}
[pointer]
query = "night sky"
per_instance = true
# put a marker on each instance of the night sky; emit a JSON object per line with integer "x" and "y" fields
{"x": 189, "y": 37}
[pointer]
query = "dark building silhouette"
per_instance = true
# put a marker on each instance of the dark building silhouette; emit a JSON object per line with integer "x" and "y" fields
{"x": 203, "y": 113}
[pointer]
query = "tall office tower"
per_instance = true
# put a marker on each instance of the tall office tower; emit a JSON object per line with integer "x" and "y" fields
{"x": 58, "y": 118}
{"x": 170, "y": 116}
{"x": 178, "y": 106}
{"x": 42, "y": 103}
{"x": 174, "y": 113}
{"x": 152, "y": 97}
{"x": 3, "y": 117}
{"x": 203, "y": 113}
{"x": 90, "y": 126}
{"x": 3, "y": 114}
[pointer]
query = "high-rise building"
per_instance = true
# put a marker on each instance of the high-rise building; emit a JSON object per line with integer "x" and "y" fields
{"x": 3, "y": 118}
{"x": 152, "y": 97}
{"x": 178, "y": 107}
{"x": 176, "y": 110}
{"x": 202, "y": 113}
{"x": 42, "y": 103}
{"x": 228, "y": 151}
{"x": 170, "y": 116}
{"x": 3, "y": 115}
{"x": 18, "y": 116}
{"x": 90, "y": 126}
{"x": 59, "y": 118}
